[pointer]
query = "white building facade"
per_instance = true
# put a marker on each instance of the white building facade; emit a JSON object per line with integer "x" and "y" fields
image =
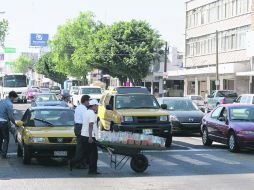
{"x": 232, "y": 20}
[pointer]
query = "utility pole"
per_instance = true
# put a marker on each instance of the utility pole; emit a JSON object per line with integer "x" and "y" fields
{"x": 165, "y": 69}
{"x": 217, "y": 82}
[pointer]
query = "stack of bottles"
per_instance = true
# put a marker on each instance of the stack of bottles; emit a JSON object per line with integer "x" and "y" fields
{"x": 131, "y": 138}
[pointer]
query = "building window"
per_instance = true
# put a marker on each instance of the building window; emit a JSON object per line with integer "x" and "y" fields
{"x": 234, "y": 39}
{"x": 219, "y": 10}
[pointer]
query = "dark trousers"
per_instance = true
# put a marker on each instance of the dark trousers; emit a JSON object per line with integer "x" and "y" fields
{"x": 89, "y": 150}
{"x": 4, "y": 131}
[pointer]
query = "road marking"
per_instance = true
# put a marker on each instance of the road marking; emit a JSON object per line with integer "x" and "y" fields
{"x": 182, "y": 146}
{"x": 102, "y": 164}
{"x": 196, "y": 138}
{"x": 160, "y": 160}
{"x": 215, "y": 158}
{"x": 190, "y": 160}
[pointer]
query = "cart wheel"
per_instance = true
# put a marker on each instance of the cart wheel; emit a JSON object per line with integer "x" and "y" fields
{"x": 139, "y": 163}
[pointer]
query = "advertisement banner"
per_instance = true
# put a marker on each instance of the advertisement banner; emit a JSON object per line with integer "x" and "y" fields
{"x": 39, "y": 40}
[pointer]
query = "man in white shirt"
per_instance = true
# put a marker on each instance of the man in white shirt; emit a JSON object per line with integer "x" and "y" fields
{"x": 89, "y": 133}
{"x": 78, "y": 119}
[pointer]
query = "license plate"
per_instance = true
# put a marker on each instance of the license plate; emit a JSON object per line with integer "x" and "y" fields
{"x": 147, "y": 131}
{"x": 60, "y": 153}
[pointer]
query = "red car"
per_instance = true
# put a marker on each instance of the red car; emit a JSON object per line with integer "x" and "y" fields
{"x": 230, "y": 124}
{"x": 31, "y": 93}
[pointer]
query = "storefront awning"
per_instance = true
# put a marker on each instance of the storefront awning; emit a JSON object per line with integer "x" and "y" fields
{"x": 247, "y": 73}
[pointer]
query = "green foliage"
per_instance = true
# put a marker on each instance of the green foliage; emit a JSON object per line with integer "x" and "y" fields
{"x": 70, "y": 43}
{"x": 22, "y": 64}
{"x": 3, "y": 31}
{"x": 47, "y": 67}
{"x": 126, "y": 50}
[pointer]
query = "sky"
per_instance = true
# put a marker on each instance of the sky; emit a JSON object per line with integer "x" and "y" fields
{"x": 44, "y": 16}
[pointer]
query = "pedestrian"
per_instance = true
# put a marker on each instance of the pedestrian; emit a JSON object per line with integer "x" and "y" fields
{"x": 6, "y": 116}
{"x": 80, "y": 156}
{"x": 88, "y": 135}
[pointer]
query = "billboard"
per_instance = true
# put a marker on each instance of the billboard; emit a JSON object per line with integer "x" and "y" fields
{"x": 39, "y": 40}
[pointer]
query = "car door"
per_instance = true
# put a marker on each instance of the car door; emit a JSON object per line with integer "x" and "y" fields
{"x": 102, "y": 110}
{"x": 212, "y": 122}
{"x": 222, "y": 127}
{"x": 110, "y": 111}
{"x": 20, "y": 129}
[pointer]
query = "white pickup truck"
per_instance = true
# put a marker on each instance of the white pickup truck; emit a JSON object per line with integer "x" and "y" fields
{"x": 93, "y": 91}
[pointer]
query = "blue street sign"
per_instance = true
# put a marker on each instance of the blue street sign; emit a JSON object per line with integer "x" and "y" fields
{"x": 39, "y": 39}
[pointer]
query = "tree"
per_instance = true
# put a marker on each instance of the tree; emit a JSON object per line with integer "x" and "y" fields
{"x": 70, "y": 43}
{"x": 47, "y": 67}
{"x": 22, "y": 64}
{"x": 126, "y": 50}
{"x": 3, "y": 31}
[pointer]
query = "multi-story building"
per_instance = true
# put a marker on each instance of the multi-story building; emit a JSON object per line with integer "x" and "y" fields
{"x": 232, "y": 20}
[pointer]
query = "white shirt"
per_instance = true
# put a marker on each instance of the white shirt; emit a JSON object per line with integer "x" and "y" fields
{"x": 79, "y": 112}
{"x": 89, "y": 117}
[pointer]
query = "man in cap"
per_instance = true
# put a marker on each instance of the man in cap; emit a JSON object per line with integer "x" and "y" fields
{"x": 89, "y": 133}
{"x": 6, "y": 116}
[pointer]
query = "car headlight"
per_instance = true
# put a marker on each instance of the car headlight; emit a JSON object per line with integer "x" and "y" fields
{"x": 37, "y": 140}
{"x": 127, "y": 119}
{"x": 247, "y": 132}
{"x": 173, "y": 118}
{"x": 164, "y": 118}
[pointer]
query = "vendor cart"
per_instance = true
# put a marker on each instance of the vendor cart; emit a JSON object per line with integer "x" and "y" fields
{"x": 132, "y": 152}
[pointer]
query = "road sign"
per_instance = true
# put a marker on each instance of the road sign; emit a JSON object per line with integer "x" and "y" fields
{"x": 9, "y": 50}
{"x": 39, "y": 40}
{"x": 9, "y": 63}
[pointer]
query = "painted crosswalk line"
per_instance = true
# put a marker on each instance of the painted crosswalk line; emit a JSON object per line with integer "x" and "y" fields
{"x": 189, "y": 160}
{"x": 218, "y": 159}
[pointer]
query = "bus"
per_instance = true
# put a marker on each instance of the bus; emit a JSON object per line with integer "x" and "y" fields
{"x": 16, "y": 82}
{"x": 69, "y": 83}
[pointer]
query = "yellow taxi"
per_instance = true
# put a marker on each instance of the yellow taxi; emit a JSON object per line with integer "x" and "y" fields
{"x": 134, "y": 109}
{"x": 46, "y": 132}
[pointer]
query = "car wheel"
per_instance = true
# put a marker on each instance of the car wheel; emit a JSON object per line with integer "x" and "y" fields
{"x": 168, "y": 141}
{"x": 19, "y": 151}
{"x": 139, "y": 163}
{"x": 232, "y": 143}
{"x": 26, "y": 157}
{"x": 205, "y": 138}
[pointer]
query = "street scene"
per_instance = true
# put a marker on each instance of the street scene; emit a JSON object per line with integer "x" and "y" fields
{"x": 144, "y": 94}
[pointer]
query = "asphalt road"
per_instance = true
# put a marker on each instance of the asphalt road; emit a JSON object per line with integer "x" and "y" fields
{"x": 186, "y": 165}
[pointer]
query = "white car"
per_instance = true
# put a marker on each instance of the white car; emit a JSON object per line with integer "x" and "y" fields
{"x": 245, "y": 99}
{"x": 73, "y": 90}
{"x": 198, "y": 100}
{"x": 93, "y": 91}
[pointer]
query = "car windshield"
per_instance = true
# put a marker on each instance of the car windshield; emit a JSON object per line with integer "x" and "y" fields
{"x": 229, "y": 94}
{"x": 55, "y": 88}
{"x": 241, "y": 114}
{"x": 90, "y": 91}
{"x": 46, "y": 98}
{"x": 199, "y": 98}
{"x": 52, "y": 117}
{"x": 45, "y": 89}
{"x": 33, "y": 90}
{"x": 180, "y": 105}
{"x": 137, "y": 101}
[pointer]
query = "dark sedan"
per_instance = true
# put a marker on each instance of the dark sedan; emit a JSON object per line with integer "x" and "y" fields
{"x": 231, "y": 124}
{"x": 184, "y": 115}
{"x": 47, "y": 99}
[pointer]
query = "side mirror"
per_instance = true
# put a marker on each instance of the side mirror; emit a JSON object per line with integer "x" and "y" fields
{"x": 109, "y": 107}
{"x": 164, "y": 106}
{"x": 222, "y": 119}
{"x": 20, "y": 123}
